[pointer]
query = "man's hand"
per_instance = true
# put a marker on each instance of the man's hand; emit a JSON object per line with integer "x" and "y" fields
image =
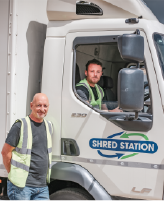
{"x": 116, "y": 110}
{"x": 104, "y": 107}
{"x": 7, "y": 154}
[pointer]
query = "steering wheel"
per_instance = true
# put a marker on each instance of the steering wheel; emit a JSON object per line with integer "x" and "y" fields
{"x": 146, "y": 94}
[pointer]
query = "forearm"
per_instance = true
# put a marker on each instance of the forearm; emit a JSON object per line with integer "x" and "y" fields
{"x": 7, "y": 155}
{"x": 6, "y": 162}
{"x": 104, "y": 107}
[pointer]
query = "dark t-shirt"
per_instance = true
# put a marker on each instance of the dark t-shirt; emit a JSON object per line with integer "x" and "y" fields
{"x": 84, "y": 93}
{"x": 39, "y": 155}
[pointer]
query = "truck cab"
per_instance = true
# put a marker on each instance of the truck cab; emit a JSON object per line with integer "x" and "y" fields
{"x": 104, "y": 154}
{"x": 96, "y": 154}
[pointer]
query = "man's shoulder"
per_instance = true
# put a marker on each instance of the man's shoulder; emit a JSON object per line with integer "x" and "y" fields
{"x": 14, "y": 134}
{"x": 83, "y": 92}
{"x": 17, "y": 124}
{"x": 83, "y": 89}
{"x": 50, "y": 124}
{"x": 48, "y": 121}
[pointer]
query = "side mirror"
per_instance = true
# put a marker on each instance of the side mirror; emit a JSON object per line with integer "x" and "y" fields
{"x": 130, "y": 99}
{"x": 131, "y": 47}
{"x": 131, "y": 90}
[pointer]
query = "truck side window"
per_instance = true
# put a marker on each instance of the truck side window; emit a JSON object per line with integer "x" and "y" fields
{"x": 159, "y": 44}
{"x": 109, "y": 56}
{"x": 112, "y": 62}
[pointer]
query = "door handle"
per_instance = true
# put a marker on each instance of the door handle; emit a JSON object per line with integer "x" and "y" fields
{"x": 69, "y": 147}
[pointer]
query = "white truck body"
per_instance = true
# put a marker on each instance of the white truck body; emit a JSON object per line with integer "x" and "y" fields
{"x": 23, "y": 33}
{"x": 138, "y": 177}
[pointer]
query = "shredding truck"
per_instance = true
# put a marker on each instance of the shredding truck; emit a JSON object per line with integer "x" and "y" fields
{"x": 96, "y": 154}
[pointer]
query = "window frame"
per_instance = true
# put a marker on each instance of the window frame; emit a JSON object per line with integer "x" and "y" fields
{"x": 94, "y": 40}
{"x": 110, "y": 116}
{"x": 162, "y": 70}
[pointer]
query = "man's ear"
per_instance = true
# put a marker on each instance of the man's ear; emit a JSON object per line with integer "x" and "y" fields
{"x": 31, "y": 104}
{"x": 86, "y": 73}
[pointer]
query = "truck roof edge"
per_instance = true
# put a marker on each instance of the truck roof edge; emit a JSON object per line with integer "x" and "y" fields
{"x": 66, "y": 10}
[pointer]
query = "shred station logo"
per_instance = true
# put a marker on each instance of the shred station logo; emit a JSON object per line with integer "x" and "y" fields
{"x": 123, "y": 145}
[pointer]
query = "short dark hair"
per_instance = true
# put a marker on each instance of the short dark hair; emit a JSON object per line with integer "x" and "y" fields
{"x": 93, "y": 61}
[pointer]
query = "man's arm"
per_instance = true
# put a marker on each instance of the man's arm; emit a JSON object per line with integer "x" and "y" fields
{"x": 7, "y": 154}
{"x": 10, "y": 144}
{"x": 104, "y": 107}
{"x": 116, "y": 110}
{"x": 83, "y": 93}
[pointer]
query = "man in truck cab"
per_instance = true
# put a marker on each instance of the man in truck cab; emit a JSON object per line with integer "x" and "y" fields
{"x": 27, "y": 154}
{"x": 89, "y": 90}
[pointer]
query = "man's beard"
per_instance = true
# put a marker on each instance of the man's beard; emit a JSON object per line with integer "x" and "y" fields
{"x": 41, "y": 116}
{"x": 93, "y": 82}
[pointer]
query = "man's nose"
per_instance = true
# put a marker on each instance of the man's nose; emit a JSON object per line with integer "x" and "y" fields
{"x": 42, "y": 108}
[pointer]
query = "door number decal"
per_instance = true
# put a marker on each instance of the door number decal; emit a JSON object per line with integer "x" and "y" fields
{"x": 78, "y": 115}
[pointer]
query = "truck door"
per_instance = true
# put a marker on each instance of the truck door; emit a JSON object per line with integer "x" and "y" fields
{"x": 126, "y": 161}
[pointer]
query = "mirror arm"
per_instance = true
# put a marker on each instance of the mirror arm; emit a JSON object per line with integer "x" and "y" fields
{"x": 136, "y": 116}
{"x": 131, "y": 118}
{"x": 138, "y": 65}
{"x": 137, "y": 32}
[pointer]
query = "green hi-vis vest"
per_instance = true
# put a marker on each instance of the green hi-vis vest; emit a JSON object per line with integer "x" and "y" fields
{"x": 21, "y": 155}
{"x": 92, "y": 100}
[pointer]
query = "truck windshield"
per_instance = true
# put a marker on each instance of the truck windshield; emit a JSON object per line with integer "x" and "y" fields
{"x": 159, "y": 43}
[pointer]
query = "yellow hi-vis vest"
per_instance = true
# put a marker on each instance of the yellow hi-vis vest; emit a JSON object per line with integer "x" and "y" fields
{"x": 21, "y": 155}
{"x": 92, "y": 100}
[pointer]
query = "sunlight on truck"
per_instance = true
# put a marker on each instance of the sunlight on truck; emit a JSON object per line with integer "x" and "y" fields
{"x": 96, "y": 154}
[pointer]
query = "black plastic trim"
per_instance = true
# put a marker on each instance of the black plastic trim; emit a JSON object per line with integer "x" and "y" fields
{"x": 136, "y": 125}
{"x": 132, "y": 21}
{"x": 87, "y": 8}
{"x": 69, "y": 147}
{"x": 94, "y": 40}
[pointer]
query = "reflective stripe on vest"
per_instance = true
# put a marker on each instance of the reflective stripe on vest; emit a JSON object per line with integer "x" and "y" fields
{"x": 19, "y": 165}
{"x": 100, "y": 89}
{"x": 23, "y": 150}
{"x": 21, "y": 155}
{"x": 49, "y": 150}
{"x": 50, "y": 127}
{"x": 92, "y": 100}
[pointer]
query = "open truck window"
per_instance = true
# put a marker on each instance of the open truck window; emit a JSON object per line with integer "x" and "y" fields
{"x": 108, "y": 54}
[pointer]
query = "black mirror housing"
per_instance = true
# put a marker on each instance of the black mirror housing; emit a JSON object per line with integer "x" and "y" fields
{"x": 131, "y": 47}
{"x": 131, "y": 89}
